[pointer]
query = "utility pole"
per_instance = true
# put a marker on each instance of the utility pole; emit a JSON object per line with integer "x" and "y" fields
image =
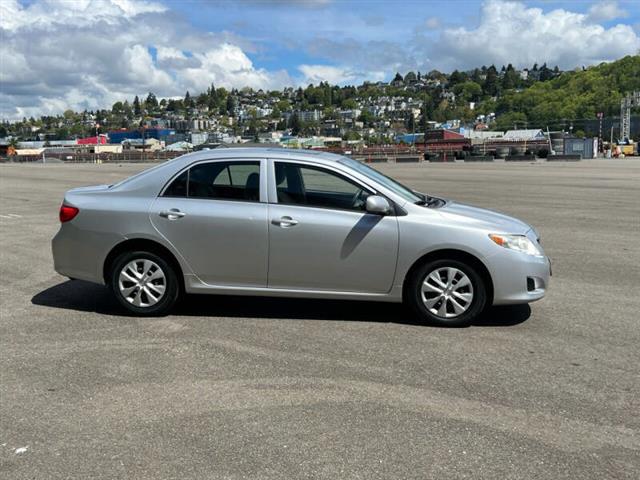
{"x": 611, "y": 144}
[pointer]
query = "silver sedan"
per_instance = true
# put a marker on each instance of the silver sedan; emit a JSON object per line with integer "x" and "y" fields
{"x": 297, "y": 224}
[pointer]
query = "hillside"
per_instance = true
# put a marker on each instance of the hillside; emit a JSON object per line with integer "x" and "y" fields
{"x": 538, "y": 97}
{"x": 572, "y": 96}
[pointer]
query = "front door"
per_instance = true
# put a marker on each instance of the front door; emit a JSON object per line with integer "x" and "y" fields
{"x": 212, "y": 214}
{"x": 321, "y": 238}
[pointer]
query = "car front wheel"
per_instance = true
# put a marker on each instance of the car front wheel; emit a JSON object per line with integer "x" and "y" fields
{"x": 446, "y": 292}
{"x": 144, "y": 283}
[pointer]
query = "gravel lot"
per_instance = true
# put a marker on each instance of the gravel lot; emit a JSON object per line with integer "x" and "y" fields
{"x": 260, "y": 388}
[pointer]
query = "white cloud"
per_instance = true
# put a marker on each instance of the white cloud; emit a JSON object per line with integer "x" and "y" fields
{"x": 285, "y": 3}
{"x": 52, "y": 13}
{"x": 56, "y": 55}
{"x": 336, "y": 75}
{"x": 367, "y": 58}
{"x": 605, "y": 11}
{"x": 139, "y": 68}
{"x": 325, "y": 73}
{"x": 432, "y": 23}
{"x": 510, "y": 32}
{"x": 227, "y": 65}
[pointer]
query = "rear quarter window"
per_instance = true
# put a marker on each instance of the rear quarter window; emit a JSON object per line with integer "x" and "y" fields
{"x": 178, "y": 188}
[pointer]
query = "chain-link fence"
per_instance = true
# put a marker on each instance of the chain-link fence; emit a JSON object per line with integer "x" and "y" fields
{"x": 130, "y": 156}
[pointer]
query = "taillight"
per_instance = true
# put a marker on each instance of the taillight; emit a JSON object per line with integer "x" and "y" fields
{"x": 67, "y": 213}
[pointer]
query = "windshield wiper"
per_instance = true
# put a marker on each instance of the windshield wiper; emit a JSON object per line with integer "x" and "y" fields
{"x": 424, "y": 199}
{"x": 429, "y": 201}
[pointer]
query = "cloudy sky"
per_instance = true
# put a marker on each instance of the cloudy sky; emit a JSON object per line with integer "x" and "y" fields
{"x": 59, "y": 54}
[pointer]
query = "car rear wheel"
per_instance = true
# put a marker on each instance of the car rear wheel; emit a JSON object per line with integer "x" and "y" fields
{"x": 144, "y": 283}
{"x": 446, "y": 292}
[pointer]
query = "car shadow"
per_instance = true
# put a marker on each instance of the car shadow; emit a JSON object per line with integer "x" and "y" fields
{"x": 89, "y": 297}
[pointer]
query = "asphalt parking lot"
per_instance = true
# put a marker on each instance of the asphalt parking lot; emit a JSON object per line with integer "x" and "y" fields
{"x": 256, "y": 388}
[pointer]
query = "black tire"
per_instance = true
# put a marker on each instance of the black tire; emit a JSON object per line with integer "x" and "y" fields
{"x": 413, "y": 294}
{"x": 170, "y": 282}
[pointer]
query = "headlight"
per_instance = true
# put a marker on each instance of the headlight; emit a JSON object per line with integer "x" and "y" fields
{"x": 516, "y": 242}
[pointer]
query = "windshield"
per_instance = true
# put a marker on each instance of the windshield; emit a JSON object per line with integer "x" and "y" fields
{"x": 387, "y": 182}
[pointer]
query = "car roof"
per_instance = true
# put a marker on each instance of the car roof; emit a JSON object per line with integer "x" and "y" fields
{"x": 146, "y": 182}
{"x": 256, "y": 152}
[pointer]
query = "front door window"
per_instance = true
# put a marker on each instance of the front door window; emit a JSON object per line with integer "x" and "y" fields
{"x": 298, "y": 184}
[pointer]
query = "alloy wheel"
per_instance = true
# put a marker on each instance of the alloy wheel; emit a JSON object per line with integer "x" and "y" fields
{"x": 142, "y": 282}
{"x": 447, "y": 292}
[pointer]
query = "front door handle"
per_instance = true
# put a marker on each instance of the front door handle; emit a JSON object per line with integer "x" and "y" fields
{"x": 173, "y": 214}
{"x": 285, "y": 222}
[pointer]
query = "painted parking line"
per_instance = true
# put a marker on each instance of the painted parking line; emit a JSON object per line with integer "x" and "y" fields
{"x": 10, "y": 215}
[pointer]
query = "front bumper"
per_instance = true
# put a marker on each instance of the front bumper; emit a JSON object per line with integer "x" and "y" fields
{"x": 519, "y": 278}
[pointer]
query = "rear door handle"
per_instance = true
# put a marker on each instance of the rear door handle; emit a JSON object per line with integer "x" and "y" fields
{"x": 285, "y": 222}
{"x": 173, "y": 214}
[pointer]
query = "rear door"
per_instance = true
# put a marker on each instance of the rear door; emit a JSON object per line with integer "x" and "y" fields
{"x": 320, "y": 236}
{"x": 215, "y": 215}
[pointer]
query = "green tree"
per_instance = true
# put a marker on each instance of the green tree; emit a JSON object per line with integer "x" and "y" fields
{"x": 231, "y": 105}
{"x": 117, "y": 108}
{"x": 491, "y": 83}
{"x": 151, "y": 103}
{"x": 545, "y": 73}
{"x": 295, "y": 124}
{"x": 174, "y": 105}
{"x": 510, "y": 78}
{"x": 126, "y": 109}
{"x": 351, "y": 135}
{"x": 137, "y": 110}
{"x": 410, "y": 77}
{"x": 283, "y": 105}
{"x": 349, "y": 104}
{"x": 469, "y": 91}
{"x": 366, "y": 117}
{"x": 330, "y": 113}
{"x": 188, "y": 101}
{"x": 457, "y": 77}
{"x": 202, "y": 100}
{"x": 511, "y": 120}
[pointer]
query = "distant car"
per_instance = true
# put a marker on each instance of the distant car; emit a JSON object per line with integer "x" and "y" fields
{"x": 292, "y": 223}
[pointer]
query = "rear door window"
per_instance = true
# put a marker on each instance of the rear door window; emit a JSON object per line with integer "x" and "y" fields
{"x": 218, "y": 180}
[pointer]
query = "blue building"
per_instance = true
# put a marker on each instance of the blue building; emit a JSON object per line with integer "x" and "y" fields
{"x": 158, "y": 133}
{"x": 410, "y": 138}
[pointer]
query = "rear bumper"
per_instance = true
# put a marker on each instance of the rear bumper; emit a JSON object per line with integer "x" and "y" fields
{"x": 519, "y": 278}
{"x": 80, "y": 254}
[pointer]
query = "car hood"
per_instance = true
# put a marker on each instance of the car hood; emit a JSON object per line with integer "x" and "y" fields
{"x": 483, "y": 218}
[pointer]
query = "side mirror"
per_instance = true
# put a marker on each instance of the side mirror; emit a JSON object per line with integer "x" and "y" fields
{"x": 377, "y": 205}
